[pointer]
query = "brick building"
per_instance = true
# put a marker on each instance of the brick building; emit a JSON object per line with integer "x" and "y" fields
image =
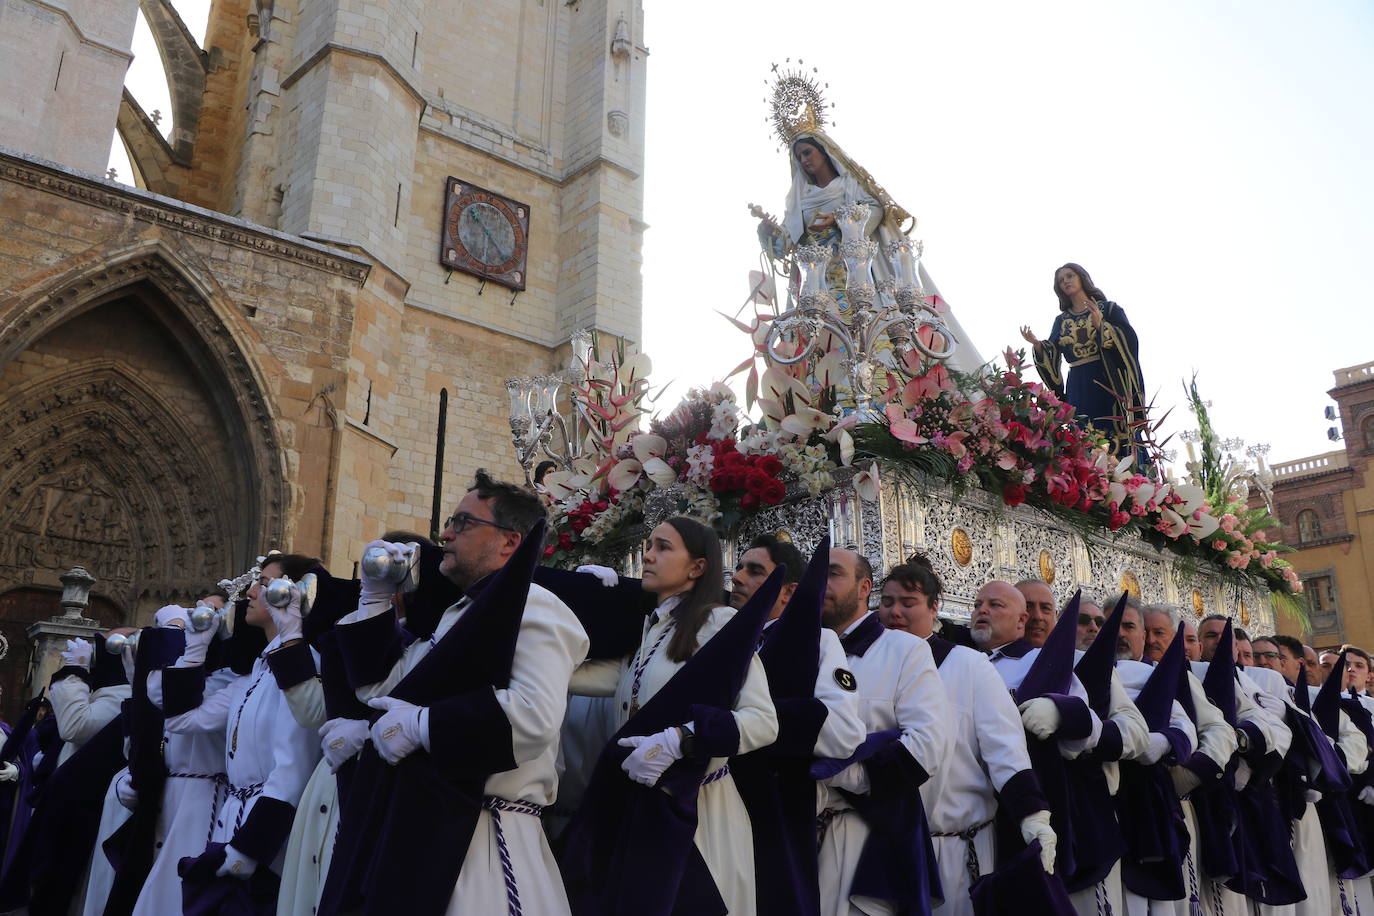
{"x": 253, "y": 347}
{"x": 1326, "y": 506}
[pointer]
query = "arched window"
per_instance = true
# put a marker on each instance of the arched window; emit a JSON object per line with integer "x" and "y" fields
{"x": 1309, "y": 527}
{"x": 1368, "y": 430}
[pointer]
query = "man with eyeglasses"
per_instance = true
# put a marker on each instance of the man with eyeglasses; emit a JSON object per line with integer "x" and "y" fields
{"x": 1266, "y": 653}
{"x": 1090, "y": 621}
{"x": 474, "y": 754}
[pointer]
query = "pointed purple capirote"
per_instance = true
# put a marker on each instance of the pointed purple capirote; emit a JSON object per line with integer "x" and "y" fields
{"x": 1302, "y": 697}
{"x": 1326, "y": 708}
{"x": 1156, "y": 699}
{"x": 1095, "y": 668}
{"x": 1219, "y": 683}
{"x": 1052, "y": 670}
{"x": 425, "y": 808}
{"x": 773, "y": 782}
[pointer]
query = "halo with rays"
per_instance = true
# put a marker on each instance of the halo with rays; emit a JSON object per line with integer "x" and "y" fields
{"x": 798, "y": 102}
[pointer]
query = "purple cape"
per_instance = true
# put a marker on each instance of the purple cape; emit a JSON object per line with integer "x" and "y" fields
{"x": 425, "y": 808}
{"x": 630, "y": 848}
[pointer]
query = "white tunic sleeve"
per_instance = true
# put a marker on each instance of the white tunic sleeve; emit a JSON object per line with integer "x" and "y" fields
{"x": 81, "y": 712}
{"x": 1135, "y": 733}
{"x": 211, "y": 715}
{"x": 551, "y": 645}
{"x": 996, "y": 725}
{"x": 306, "y": 702}
{"x": 755, "y": 716}
{"x": 1353, "y": 745}
{"x": 295, "y": 751}
{"x": 1070, "y": 749}
{"x": 1255, "y": 707}
{"x": 843, "y": 729}
{"x": 922, "y": 705}
{"x": 598, "y": 677}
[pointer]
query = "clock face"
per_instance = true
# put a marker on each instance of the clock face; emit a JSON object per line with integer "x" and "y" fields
{"x": 484, "y": 234}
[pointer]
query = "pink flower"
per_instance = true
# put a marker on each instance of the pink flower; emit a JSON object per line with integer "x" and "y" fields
{"x": 1268, "y": 557}
{"x": 1229, "y": 522}
{"x": 1218, "y": 544}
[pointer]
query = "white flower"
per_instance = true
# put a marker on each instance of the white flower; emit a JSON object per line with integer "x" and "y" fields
{"x": 700, "y": 461}
{"x": 866, "y": 483}
{"x": 724, "y": 419}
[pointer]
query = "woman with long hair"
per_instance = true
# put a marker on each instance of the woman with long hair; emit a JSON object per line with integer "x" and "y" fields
{"x": 1093, "y": 335}
{"x": 683, "y": 569}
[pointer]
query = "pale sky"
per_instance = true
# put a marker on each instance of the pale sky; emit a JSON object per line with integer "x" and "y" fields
{"x": 1207, "y": 161}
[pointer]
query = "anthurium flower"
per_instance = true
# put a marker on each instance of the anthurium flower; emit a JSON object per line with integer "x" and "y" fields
{"x": 805, "y": 421}
{"x": 866, "y": 483}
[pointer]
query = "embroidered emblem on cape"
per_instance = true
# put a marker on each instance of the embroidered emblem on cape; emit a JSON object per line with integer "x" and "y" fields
{"x": 846, "y": 680}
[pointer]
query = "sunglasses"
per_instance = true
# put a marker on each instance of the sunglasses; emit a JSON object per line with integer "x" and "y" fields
{"x": 462, "y": 520}
{"x": 1085, "y": 619}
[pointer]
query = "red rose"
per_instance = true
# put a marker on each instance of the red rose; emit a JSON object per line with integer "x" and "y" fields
{"x": 1013, "y": 494}
{"x": 769, "y": 464}
{"x": 748, "y": 501}
{"x": 756, "y": 482}
{"x": 773, "y": 492}
{"x": 1118, "y": 520}
{"x": 720, "y": 481}
{"x": 549, "y": 551}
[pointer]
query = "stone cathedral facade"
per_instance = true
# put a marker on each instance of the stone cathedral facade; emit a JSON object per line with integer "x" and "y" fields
{"x": 367, "y": 215}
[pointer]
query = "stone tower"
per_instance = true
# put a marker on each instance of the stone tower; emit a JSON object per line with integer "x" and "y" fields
{"x": 61, "y": 65}
{"x": 258, "y": 346}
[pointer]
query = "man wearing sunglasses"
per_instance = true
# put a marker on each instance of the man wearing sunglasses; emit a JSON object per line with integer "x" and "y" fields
{"x": 483, "y": 715}
{"x": 1090, "y": 621}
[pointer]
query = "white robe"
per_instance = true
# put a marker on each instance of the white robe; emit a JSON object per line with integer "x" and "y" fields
{"x": 310, "y": 848}
{"x": 550, "y": 646}
{"x": 899, "y": 688}
{"x": 81, "y": 712}
{"x": 264, "y": 746}
{"x": 188, "y": 806}
{"x": 100, "y": 873}
{"x": 723, "y": 835}
{"x": 987, "y": 747}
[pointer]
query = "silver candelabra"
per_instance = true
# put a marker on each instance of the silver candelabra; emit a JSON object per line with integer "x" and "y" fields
{"x": 896, "y": 307}
{"x": 534, "y": 416}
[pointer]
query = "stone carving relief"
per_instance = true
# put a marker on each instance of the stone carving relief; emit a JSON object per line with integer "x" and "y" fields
{"x": 97, "y": 470}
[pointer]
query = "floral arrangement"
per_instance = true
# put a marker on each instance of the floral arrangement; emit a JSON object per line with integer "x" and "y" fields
{"x": 993, "y": 429}
{"x": 719, "y": 465}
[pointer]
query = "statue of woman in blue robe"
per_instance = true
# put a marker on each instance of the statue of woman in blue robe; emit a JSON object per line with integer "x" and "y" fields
{"x": 1093, "y": 335}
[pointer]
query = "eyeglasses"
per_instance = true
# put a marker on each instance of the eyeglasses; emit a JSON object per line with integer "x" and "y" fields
{"x": 1272, "y": 655}
{"x": 1085, "y": 619}
{"x": 461, "y": 521}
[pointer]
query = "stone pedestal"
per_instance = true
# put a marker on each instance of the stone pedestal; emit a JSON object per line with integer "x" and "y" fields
{"x": 49, "y": 637}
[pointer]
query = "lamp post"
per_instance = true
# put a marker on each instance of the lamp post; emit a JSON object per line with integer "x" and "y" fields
{"x": 534, "y": 416}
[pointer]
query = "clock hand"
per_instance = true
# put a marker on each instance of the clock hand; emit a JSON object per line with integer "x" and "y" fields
{"x": 494, "y": 244}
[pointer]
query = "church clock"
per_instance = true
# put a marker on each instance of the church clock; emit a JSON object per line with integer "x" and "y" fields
{"x": 484, "y": 234}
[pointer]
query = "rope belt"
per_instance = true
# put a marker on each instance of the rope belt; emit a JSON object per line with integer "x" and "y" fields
{"x": 975, "y": 871}
{"x": 825, "y": 817}
{"x": 1104, "y": 903}
{"x": 717, "y": 775}
{"x": 495, "y": 804}
{"x": 218, "y": 779}
{"x": 1194, "y": 898}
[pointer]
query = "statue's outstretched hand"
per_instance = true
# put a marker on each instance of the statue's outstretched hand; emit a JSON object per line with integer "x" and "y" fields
{"x": 1029, "y": 335}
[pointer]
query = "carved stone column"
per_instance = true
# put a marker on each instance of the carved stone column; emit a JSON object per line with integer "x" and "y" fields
{"x": 49, "y": 637}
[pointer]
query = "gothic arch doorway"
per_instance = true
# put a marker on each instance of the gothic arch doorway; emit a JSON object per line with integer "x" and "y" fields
{"x": 134, "y": 437}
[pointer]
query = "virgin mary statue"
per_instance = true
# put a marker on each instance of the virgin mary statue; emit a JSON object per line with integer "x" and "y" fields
{"x": 824, "y": 179}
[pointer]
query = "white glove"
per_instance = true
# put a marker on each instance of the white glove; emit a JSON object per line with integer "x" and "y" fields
{"x": 853, "y": 778}
{"x": 1311, "y": 796}
{"x": 1185, "y": 780}
{"x": 652, "y": 755}
{"x": 609, "y": 577}
{"x": 9, "y": 773}
{"x": 1156, "y": 750}
{"x": 197, "y": 645}
{"x": 380, "y": 591}
{"x": 236, "y": 865}
{"x": 1037, "y": 827}
{"x": 340, "y": 739}
{"x": 78, "y": 653}
{"x": 124, "y": 791}
{"x": 401, "y": 731}
{"x": 172, "y": 615}
{"x": 1243, "y": 774}
{"x": 1040, "y": 717}
{"x": 288, "y": 618}
{"x": 1366, "y": 795}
